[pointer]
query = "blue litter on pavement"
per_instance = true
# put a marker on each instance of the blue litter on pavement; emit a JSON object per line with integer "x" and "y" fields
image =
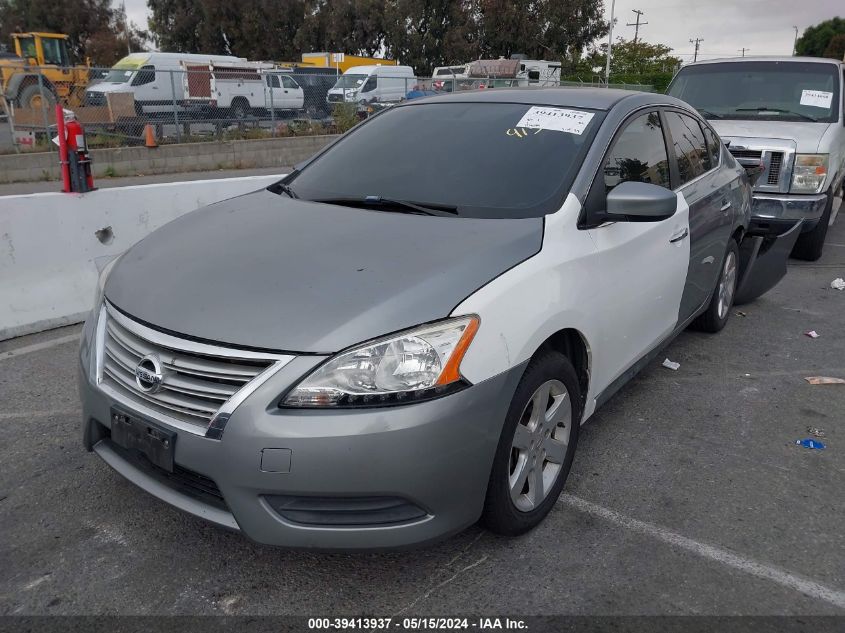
{"x": 810, "y": 443}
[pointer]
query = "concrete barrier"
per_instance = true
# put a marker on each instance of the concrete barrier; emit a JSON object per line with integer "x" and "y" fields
{"x": 166, "y": 159}
{"x": 50, "y": 243}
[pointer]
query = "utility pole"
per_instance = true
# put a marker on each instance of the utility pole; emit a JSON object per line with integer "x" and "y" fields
{"x": 609, "y": 45}
{"x": 795, "y": 41}
{"x": 126, "y": 29}
{"x": 636, "y": 24}
{"x": 697, "y": 41}
{"x": 742, "y": 50}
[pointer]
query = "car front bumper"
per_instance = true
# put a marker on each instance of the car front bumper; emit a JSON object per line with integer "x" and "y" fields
{"x": 779, "y": 211}
{"x": 435, "y": 456}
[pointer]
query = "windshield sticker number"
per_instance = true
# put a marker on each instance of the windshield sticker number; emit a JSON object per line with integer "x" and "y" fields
{"x": 557, "y": 119}
{"x": 816, "y": 98}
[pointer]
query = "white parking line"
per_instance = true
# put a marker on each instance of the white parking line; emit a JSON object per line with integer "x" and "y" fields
{"x": 717, "y": 554}
{"x": 19, "y": 415}
{"x": 37, "y": 347}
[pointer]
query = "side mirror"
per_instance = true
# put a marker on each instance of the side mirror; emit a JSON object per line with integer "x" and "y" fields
{"x": 640, "y": 202}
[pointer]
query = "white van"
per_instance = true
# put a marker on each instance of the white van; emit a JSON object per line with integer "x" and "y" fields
{"x": 368, "y": 84}
{"x": 145, "y": 75}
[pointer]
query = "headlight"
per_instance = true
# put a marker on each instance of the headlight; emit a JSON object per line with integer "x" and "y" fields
{"x": 810, "y": 173}
{"x": 415, "y": 364}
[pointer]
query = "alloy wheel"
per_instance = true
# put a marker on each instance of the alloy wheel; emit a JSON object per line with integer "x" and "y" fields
{"x": 727, "y": 285}
{"x": 539, "y": 445}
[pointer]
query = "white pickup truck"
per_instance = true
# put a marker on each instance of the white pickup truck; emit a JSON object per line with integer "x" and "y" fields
{"x": 785, "y": 115}
{"x": 239, "y": 90}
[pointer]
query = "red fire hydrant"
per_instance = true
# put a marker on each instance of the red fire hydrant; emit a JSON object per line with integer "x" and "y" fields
{"x": 73, "y": 152}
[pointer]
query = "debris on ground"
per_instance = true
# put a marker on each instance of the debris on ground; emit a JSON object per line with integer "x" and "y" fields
{"x": 741, "y": 313}
{"x": 812, "y": 334}
{"x": 824, "y": 380}
{"x": 671, "y": 365}
{"x": 838, "y": 284}
{"x": 810, "y": 443}
{"x": 815, "y": 431}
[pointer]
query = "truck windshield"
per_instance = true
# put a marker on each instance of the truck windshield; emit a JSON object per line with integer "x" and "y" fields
{"x": 350, "y": 81}
{"x": 766, "y": 90}
{"x": 118, "y": 76}
{"x": 472, "y": 158}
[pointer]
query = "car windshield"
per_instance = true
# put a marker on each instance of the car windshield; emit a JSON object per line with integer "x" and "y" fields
{"x": 771, "y": 91}
{"x": 471, "y": 157}
{"x": 118, "y": 76}
{"x": 350, "y": 81}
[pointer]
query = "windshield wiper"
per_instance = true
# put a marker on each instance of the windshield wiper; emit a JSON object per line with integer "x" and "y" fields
{"x": 281, "y": 187}
{"x": 400, "y": 206}
{"x": 806, "y": 117}
{"x": 709, "y": 115}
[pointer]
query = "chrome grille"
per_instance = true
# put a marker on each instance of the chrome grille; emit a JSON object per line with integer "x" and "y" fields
{"x": 774, "y": 168}
{"x": 746, "y": 153}
{"x": 194, "y": 385}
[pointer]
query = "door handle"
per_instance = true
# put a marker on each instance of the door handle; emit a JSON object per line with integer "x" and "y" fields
{"x": 725, "y": 206}
{"x": 679, "y": 236}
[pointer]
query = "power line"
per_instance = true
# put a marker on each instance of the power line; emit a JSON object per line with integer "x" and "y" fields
{"x": 697, "y": 41}
{"x": 637, "y": 24}
{"x": 742, "y": 50}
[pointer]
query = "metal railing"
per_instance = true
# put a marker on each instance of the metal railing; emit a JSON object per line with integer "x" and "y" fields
{"x": 202, "y": 104}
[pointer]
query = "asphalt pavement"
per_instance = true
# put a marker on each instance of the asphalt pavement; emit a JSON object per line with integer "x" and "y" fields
{"x": 688, "y": 495}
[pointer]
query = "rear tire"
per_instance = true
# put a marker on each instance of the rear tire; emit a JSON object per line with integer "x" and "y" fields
{"x": 718, "y": 311}
{"x": 810, "y": 245}
{"x": 536, "y": 447}
{"x": 240, "y": 109}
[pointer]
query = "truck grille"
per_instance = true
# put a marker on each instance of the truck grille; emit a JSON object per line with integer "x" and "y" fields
{"x": 774, "y": 168}
{"x": 335, "y": 98}
{"x": 746, "y": 153}
{"x": 194, "y": 386}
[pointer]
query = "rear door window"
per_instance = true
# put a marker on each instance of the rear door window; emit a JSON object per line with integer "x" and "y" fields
{"x": 689, "y": 146}
{"x": 712, "y": 145}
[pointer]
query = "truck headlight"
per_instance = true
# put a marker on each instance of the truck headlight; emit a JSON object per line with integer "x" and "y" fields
{"x": 810, "y": 173}
{"x": 416, "y": 364}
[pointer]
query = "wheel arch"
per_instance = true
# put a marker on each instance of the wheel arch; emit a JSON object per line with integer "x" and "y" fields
{"x": 573, "y": 344}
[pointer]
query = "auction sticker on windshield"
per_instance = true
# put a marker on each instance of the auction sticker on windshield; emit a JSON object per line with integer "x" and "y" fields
{"x": 558, "y": 119}
{"x": 816, "y": 98}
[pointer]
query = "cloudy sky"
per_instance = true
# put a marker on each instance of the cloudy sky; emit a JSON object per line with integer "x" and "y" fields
{"x": 725, "y": 26}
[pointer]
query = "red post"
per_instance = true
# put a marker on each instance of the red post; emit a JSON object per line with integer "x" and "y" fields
{"x": 63, "y": 158}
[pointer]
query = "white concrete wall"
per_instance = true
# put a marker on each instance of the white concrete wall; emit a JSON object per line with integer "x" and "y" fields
{"x": 49, "y": 243}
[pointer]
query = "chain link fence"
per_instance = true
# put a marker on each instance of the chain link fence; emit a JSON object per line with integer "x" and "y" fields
{"x": 122, "y": 107}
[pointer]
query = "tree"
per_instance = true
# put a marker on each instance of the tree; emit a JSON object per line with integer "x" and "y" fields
{"x": 629, "y": 57}
{"x": 94, "y": 28}
{"x": 256, "y": 29}
{"x": 836, "y": 47}
{"x": 429, "y": 33}
{"x": 544, "y": 29}
{"x": 356, "y": 27}
{"x": 815, "y": 40}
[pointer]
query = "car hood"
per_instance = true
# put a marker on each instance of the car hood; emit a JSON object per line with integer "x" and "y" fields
{"x": 805, "y": 134}
{"x": 110, "y": 87}
{"x": 268, "y": 272}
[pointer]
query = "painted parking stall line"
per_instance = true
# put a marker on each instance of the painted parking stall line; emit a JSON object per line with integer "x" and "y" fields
{"x": 37, "y": 347}
{"x": 746, "y": 565}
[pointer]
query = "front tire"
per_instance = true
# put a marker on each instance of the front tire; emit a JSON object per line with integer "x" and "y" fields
{"x": 36, "y": 97}
{"x": 810, "y": 245}
{"x": 536, "y": 447}
{"x": 718, "y": 310}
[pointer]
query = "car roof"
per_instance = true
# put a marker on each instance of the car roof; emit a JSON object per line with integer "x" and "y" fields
{"x": 591, "y": 98}
{"x": 760, "y": 58}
